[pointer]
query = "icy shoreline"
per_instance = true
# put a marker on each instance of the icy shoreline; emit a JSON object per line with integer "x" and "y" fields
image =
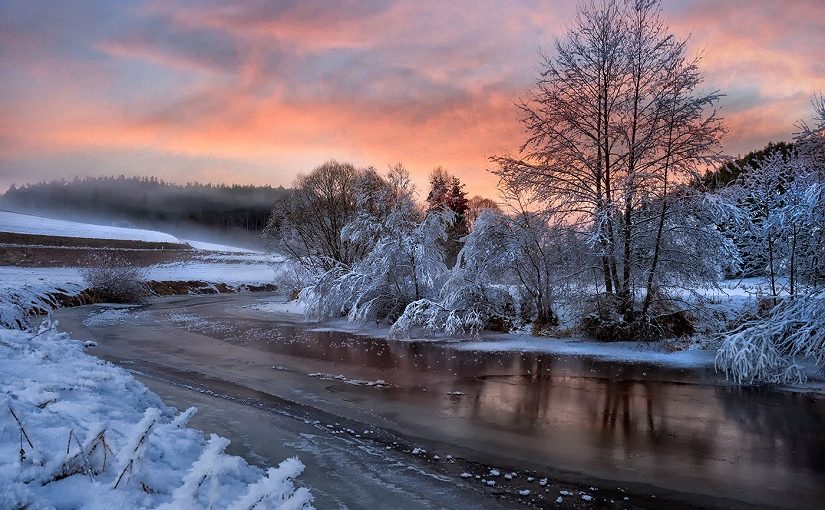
{"x": 510, "y": 342}
{"x": 654, "y": 353}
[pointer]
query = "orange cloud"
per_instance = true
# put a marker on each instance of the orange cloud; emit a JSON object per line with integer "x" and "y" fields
{"x": 265, "y": 90}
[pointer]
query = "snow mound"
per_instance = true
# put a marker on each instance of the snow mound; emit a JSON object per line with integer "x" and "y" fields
{"x": 18, "y": 223}
{"x": 77, "y": 432}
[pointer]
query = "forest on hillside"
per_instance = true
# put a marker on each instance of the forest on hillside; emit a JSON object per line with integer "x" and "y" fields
{"x": 232, "y": 211}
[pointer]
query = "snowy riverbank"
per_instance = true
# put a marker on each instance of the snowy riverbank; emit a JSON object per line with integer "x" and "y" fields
{"x": 77, "y": 432}
{"x": 648, "y": 352}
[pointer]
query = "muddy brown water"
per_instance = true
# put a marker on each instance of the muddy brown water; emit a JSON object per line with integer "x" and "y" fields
{"x": 660, "y": 437}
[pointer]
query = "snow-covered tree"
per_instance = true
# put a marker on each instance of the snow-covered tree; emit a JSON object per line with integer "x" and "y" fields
{"x": 810, "y": 142}
{"x": 476, "y": 292}
{"x": 766, "y": 347}
{"x": 405, "y": 262}
{"x": 509, "y": 273}
{"x": 760, "y": 191}
{"x": 615, "y": 122}
{"x": 782, "y": 237}
{"x": 447, "y": 192}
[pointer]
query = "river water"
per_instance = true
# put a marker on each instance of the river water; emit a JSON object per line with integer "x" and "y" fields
{"x": 355, "y": 409}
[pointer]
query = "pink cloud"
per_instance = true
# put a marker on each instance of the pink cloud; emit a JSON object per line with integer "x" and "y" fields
{"x": 426, "y": 83}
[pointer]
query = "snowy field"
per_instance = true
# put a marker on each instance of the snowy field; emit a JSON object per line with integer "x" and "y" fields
{"x": 18, "y": 223}
{"x": 77, "y": 432}
{"x": 24, "y": 288}
{"x": 204, "y": 246}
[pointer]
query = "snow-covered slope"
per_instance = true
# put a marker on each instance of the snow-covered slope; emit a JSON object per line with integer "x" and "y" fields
{"x": 77, "y": 432}
{"x": 27, "y": 224}
{"x": 204, "y": 246}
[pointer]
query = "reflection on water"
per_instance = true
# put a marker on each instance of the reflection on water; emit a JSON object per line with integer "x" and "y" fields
{"x": 591, "y": 416}
{"x": 625, "y": 411}
{"x": 682, "y": 429}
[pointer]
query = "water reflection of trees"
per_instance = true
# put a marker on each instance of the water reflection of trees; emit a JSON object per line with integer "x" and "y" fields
{"x": 789, "y": 427}
{"x": 614, "y": 408}
{"x": 619, "y": 410}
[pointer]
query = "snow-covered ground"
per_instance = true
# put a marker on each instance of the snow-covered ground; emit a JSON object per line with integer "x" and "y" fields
{"x": 19, "y": 223}
{"x": 24, "y": 288}
{"x": 620, "y": 351}
{"x": 77, "y": 432}
{"x": 215, "y": 270}
{"x": 204, "y": 246}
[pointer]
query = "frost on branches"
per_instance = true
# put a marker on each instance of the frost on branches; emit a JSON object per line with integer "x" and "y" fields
{"x": 766, "y": 349}
{"x": 787, "y": 200}
{"x": 469, "y": 297}
{"x": 405, "y": 262}
{"x": 76, "y": 432}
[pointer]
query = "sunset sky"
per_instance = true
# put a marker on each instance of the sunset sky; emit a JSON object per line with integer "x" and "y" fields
{"x": 257, "y": 91}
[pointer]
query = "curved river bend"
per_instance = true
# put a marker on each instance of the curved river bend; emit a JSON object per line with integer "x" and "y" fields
{"x": 355, "y": 408}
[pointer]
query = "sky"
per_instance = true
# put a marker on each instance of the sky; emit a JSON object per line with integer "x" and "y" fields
{"x": 255, "y": 91}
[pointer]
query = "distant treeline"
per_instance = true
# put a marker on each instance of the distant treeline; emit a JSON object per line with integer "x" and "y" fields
{"x": 730, "y": 171}
{"x": 149, "y": 201}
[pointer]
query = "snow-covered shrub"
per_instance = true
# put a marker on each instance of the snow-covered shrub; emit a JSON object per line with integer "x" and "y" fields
{"x": 19, "y": 303}
{"x": 405, "y": 265}
{"x": 13, "y": 312}
{"x": 292, "y": 276}
{"x": 508, "y": 273}
{"x": 405, "y": 262}
{"x": 114, "y": 279}
{"x": 766, "y": 348}
{"x": 469, "y": 297}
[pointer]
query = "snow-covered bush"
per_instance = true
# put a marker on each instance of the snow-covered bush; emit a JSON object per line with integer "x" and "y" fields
{"x": 508, "y": 273}
{"x": 765, "y": 349}
{"x": 292, "y": 276}
{"x": 13, "y": 312}
{"x": 114, "y": 279}
{"x": 405, "y": 265}
{"x": 405, "y": 262}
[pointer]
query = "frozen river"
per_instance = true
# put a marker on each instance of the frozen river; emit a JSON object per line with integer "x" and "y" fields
{"x": 393, "y": 424}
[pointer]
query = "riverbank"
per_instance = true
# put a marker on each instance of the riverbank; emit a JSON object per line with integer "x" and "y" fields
{"x": 92, "y": 437}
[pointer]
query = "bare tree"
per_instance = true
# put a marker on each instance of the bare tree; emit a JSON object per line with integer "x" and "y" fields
{"x": 614, "y": 122}
{"x": 810, "y": 141}
{"x": 476, "y": 205}
{"x": 307, "y": 227}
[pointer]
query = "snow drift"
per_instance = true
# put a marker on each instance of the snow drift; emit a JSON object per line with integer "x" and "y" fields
{"x": 77, "y": 432}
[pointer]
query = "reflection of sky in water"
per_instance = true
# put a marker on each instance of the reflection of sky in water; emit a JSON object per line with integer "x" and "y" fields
{"x": 595, "y": 416}
{"x": 673, "y": 427}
